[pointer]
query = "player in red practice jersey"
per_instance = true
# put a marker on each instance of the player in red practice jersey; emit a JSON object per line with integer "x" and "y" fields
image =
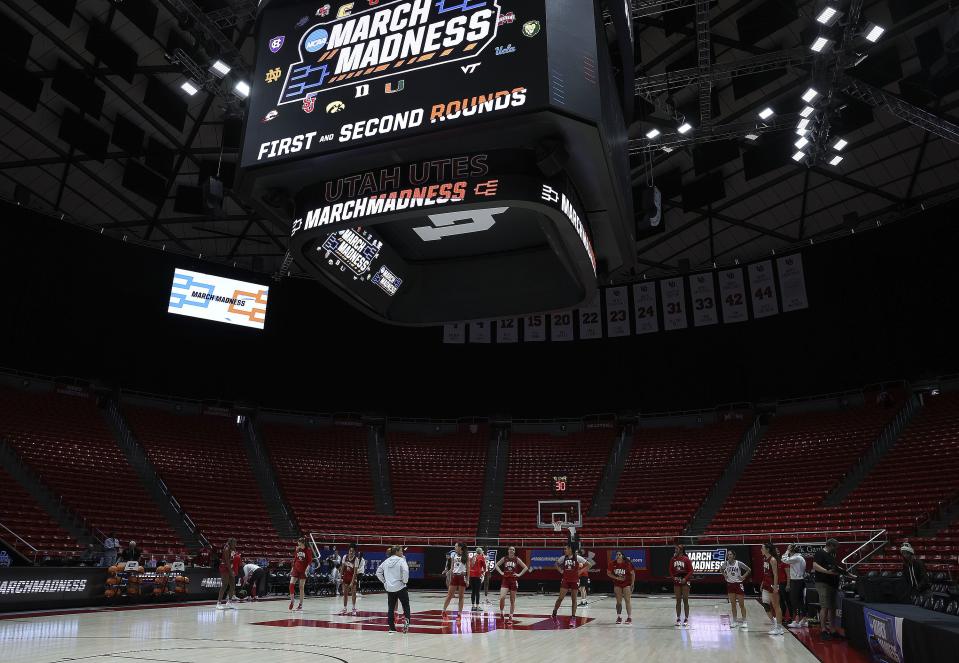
{"x": 623, "y": 575}
{"x": 227, "y": 576}
{"x": 302, "y": 558}
{"x": 681, "y": 570}
{"x": 457, "y": 576}
{"x": 570, "y": 565}
{"x": 770, "y": 587}
{"x": 511, "y": 568}
{"x": 351, "y": 568}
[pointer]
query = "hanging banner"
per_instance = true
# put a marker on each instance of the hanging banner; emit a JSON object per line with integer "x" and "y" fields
{"x": 763, "y": 289}
{"x": 644, "y": 302}
{"x": 534, "y": 328}
{"x": 674, "y": 304}
{"x": 617, "y": 312}
{"x": 732, "y": 291}
{"x": 480, "y": 331}
{"x": 792, "y": 282}
{"x": 507, "y": 330}
{"x": 561, "y": 326}
{"x": 590, "y": 320}
{"x": 703, "y": 293}
{"x": 454, "y": 332}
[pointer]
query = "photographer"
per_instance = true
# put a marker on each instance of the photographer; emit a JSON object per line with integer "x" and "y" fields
{"x": 828, "y": 573}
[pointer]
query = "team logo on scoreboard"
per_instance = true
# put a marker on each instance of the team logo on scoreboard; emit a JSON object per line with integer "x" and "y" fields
{"x": 505, "y": 50}
{"x": 335, "y": 107}
{"x": 277, "y": 43}
{"x": 309, "y": 103}
{"x": 269, "y": 117}
{"x": 508, "y": 17}
{"x": 345, "y": 10}
{"x": 531, "y": 28}
{"x": 303, "y": 21}
{"x": 323, "y": 11}
{"x": 387, "y": 39}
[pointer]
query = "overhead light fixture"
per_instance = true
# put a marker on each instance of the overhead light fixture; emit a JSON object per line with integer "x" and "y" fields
{"x": 766, "y": 113}
{"x": 189, "y": 87}
{"x": 835, "y": 161}
{"x": 799, "y": 156}
{"x": 810, "y": 94}
{"x": 840, "y": 144}
{"x": 242, "y": 89}
{"x": 828, "y": 16}
{"x": 752, "y": 137}
{"x": 220, "y": 68}
{"x": 652, "y": 133}
{"x": 807, "y": 111}
{"x": 802, "y": 142}
{"x": 802, "y": 124}
{"x": 820, "y": 44}
{"x": 685, "y": 128}
{"x": 874, "y": 32}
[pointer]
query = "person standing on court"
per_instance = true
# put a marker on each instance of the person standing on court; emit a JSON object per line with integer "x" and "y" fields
{"x": 828, "y": 573}
{"x": 797, "y": 586}
{"x": 394, "y": 573}
{"x": 477, "y": 571}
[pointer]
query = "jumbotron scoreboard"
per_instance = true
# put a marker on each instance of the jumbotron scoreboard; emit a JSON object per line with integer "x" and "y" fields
{"x": 442, "y": 160}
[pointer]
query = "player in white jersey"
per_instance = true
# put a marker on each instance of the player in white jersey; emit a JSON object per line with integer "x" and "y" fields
{"x": 736, "y": 573}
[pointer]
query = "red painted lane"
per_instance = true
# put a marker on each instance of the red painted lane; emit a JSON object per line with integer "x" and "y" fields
{"x": 435, "y": 622}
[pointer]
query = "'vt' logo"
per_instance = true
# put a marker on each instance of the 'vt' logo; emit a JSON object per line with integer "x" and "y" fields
{"x": 470, "y": 68}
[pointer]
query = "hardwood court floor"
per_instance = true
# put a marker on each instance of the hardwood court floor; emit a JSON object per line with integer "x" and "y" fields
{"x": 266, "y": 631}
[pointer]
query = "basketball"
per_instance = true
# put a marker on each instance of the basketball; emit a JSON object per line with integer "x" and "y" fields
{"x": 113, "y": 581}
{"x": 110, "y": 593}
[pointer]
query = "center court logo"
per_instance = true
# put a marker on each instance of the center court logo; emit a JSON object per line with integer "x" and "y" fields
{"x": 392, "y": 38}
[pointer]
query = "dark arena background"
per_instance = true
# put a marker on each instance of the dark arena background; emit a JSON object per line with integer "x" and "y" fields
{"x": 632, "y": 322}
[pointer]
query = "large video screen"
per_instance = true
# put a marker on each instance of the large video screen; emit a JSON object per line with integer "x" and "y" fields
{"x": 209, "y": 297}
{"x": 334, "y": 76}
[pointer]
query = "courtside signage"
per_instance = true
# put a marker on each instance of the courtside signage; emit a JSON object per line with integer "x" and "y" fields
{"x": 209, "y": 297}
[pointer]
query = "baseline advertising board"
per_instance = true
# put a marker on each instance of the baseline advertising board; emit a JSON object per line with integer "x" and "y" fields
{"x": 347, "y": 74}
{"x": 708, "y": 561}
{"x": 208, "y": 297}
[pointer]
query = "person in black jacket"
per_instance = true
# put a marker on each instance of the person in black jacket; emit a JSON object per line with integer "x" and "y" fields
{"x": 913, "y": 570}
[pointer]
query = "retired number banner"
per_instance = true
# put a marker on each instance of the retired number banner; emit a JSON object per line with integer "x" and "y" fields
{"x": 617, "y": 312}
{"x": 763, "y": 288}
{"x": 507, "y": 330}
{"x": 561, "y": 326}
{"x": 590, "y": 320}
{"x": 703, "y": 294}
{"x": 644, "y": 308}
{"x": 674, "y": 304}
{"x": 792, "y": 280}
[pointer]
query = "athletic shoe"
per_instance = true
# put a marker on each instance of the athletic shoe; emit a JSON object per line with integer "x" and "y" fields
{"x": 804, "y": 623}
{"x": 733, "y": 625}
{"x": 554, "y": 614}
{"x": 353, "y": 613}
{"x": 572, "y": 622}
{"x": 406, "y": 626}
{"x": 778, "y": 630}
{"x": 744, "y": 626}
{"x": 291, "y": 606}
{"x": 629, "y": 620}
{"x": 299, "y": 608}
{"x": 220, "y": 606}
{"x": 685, "y": 623}
{"x": 391, "y": 631}
{"x": 679, "y": 624}
{"x": 793, "y": 624}
{"x": 619, "y": 620}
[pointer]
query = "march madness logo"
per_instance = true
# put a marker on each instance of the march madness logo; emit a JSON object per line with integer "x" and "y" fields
{"x": 395, "y": 37}
{"x": 708, "y": 561}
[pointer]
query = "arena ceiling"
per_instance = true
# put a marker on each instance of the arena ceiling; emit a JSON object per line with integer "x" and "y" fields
{"x": 94, "y": 126}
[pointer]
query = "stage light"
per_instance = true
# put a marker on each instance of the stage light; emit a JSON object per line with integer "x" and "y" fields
{"x": 652, "y": 133}
{"x": 685, "y": 128}
{"x": 807, "y": 111}
{"x": 810, "y": 94}
{"x": 874, "y": 32}
{"x": 840, "y": 144}
{"x": 752, "y": 137}
{"x": 828, "y": 16}
{"x": 189, "y": 87}
{"x": 820, "y": 44}
{"x": 835, "y": 161}
{"x": 799, "y": 156}
{"x": 802, "y": 142}
{"x": 220, "y": 68}
{"x": 242, "y": 89}
{"x": 802, "y": 125}
{"x": 766, "y": 113}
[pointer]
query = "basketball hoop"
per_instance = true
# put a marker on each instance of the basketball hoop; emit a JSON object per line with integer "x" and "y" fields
{"x": 558, "y": 525}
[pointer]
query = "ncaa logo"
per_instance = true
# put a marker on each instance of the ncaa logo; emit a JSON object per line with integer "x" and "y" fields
{"x": 316, "y": 40}
{"x": 277, "y": 43}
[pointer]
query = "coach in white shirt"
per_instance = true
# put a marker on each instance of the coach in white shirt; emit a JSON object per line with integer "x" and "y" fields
{"x": 797, "y": 586}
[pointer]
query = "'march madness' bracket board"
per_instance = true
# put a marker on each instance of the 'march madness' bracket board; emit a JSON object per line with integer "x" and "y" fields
{"x": 442, "y": 160}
